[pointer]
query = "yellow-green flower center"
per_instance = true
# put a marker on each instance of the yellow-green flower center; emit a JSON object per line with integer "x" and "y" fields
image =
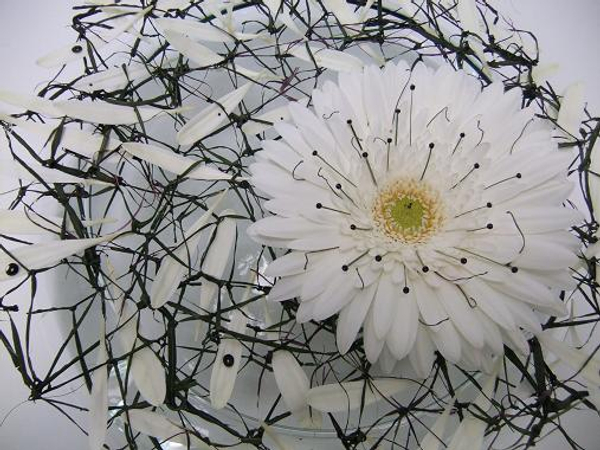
{"x": 408, "y": 211}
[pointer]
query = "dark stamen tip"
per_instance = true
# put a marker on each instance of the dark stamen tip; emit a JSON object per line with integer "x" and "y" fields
{"x": 12, "y": 269}
{"x": 228, "y": 360}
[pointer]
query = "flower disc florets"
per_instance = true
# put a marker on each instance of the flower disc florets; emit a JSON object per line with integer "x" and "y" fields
{"x": 422, "y": 208}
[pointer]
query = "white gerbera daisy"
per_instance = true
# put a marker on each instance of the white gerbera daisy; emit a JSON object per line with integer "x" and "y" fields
{"x": 421, "y": 207}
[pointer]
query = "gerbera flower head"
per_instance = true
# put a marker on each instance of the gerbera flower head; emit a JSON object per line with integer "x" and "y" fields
{"x": 421, "y": 207}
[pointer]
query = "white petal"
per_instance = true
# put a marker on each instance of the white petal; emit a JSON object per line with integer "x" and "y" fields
{"x": 402, "y": 335}
{"x": 340, "y": 397}
{"x": 40, "y": 256}
{"x": 471, "y": 430}
{"x": 217, "y": 256}
{"x": 173, "y": 162}
{"x": 21, "y": 222}
{"x": 594, "y": 180}
{"x": 291, "y": 264}
{"x": 112, "y": 79}
{"x": 46, "y": 175}
{"x": 459, "y": 310}
{"x": 66, "y": 55}
{"x": 152, "y": 424}
{"x": 571, "y": 109}
{"x": 352, "y": 317}
{"x": 588, "y": 367}
{"x": 384, "y": 306}
{"x": 30, "y": 103}
{"x": 75, "y": 140}
{"x": 223, "y": 377}
{"x": 469, "y": 435}
{"x": 338, "y": 294}
{"x": 286, "y": 288}
{"x": 106, "y": 113}
{"x": 542, "y": 72}
{"x": 281, "y": 442}
{"x": 148, "y": 374}
{"x": 158, "y": 426}
{"x": 198, "y": 53}
{"x": 99, "y": 396}
{"x": 194, "y": 30}
{"x": 422, "y": 354}
{"x": 341, "y": 10}
{"x": 258, "y": 124}
{"x": 327, "y": 58}
{"x": 171, "y": 271}
{"x": 211, "y": 117}
{"x": 291, "y": 380}
{"x": 468, "y": 15}
{"x": 373, "y": 346}
{"x": 126, "y": 313}
{"x": 432, "y": 439}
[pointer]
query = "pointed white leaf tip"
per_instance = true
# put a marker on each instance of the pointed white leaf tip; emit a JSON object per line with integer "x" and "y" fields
{"x": 171, "y": 270}
{"x": 227, "y": 362}
{"x": 571, "y": 109}
{"x": 347, "y": 396}
{"x": 41, "y": 256}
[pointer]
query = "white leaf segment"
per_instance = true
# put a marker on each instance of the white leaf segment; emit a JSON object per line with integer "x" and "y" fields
{"x": 158, "y": 426}
{"x": 209, "y": 119}
{"x": 327, "y": 58}
{"x": 98, "y": 414}
{"x": 571, "y": 109}
{"x": 348, "y": 396}
{"x": 172, "y": 162}
{"x": 227, "y": 362}
{"x": 294, "y": 385}
{"x": 44, "y": 255}
{"x": 76, "y": 52}
{"x": 217, "y": 256}
{"x": 173, "y": 267}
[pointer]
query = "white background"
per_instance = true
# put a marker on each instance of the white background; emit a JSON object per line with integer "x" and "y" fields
{"x": 568, "y": 32}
